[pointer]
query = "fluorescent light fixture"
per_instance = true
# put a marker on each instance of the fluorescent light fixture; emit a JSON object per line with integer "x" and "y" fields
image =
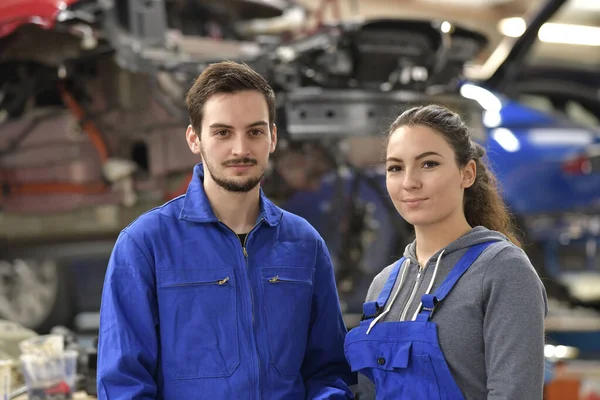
{"x": 570, "y": 34}
{"x": 560, "y": 137}
{"x": 552, "y": 32}
{"x": 506, "y": 139}
{"x": 584, "y": 5}
{"x": 486, "y": 99}
{"x": 492, "y": 119}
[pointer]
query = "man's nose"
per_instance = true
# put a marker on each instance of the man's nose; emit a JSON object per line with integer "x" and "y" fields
{"x": 240, "y": 146}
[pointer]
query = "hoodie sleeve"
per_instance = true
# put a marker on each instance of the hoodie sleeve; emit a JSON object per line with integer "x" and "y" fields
{"x": 325, "y": 370}
{"x": 127, "y": 341}
{"x": 515, "y": 306}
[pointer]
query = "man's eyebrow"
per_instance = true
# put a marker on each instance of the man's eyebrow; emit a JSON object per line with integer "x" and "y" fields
{"x": 218, "y": 125}
{"x": 225, "y": 126}
{"x": 258, "y": 123}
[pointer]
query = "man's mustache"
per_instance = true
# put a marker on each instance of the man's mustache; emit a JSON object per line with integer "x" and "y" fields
{"x": 239, "y": 161}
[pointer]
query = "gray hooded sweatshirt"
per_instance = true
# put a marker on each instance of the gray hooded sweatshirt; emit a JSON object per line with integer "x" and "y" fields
{"x": 490, "y": 326}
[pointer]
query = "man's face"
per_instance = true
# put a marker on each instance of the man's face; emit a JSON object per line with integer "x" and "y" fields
{"x": 235, "y": 141}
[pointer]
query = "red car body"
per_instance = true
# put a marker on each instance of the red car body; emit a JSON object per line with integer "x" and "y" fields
{"x": 15, "y": 13}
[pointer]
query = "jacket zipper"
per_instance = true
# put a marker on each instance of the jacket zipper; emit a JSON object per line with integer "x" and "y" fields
{"x": 277, "y": 279}
{"x": 220, "y": 282}
{"x": 245, "y": 253}
{"x": 252, "y": 305}
{"x": 412, "y": 294}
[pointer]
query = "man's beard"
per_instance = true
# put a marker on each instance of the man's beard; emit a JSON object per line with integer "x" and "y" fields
{"x": 231, "y": 185}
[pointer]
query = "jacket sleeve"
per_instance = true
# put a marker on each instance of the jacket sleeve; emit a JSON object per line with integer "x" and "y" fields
{"x": 127, "y": 341}
{"x": 325, "y": 370}
{"x": 515, "y": 306}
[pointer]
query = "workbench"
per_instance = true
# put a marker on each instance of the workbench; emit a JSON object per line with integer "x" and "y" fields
{"x": 76, "y": 396}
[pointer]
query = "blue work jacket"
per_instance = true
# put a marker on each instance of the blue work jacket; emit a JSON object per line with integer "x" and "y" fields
{"x": 189, "y": 313}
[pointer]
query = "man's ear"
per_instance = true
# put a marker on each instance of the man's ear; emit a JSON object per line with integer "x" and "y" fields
{"x": 469, "y": 173}
{"x": 273, "y": 138}
{"x": 193, "y": 140}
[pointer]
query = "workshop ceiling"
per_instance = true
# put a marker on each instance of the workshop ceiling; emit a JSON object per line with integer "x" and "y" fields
{"x": 490, "y": 17}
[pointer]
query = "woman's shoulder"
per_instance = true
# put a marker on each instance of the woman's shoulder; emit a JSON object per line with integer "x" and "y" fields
{"x": 509, "y": 264}
{"x": 379, "y": 281}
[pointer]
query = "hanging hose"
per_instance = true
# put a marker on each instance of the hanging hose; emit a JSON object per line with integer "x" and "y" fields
{"x": 11, "y": 188}
{"x": 88, "y": 125}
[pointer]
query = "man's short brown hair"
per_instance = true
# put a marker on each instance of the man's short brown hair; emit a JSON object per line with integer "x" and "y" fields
{"x": 226, "y": 77}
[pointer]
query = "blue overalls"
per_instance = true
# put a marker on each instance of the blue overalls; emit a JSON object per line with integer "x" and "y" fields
{"x": 404, "y": 359}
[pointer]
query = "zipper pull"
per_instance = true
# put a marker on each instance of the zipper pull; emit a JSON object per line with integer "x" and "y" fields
{"x": 223, "y": 281}
{"x": 245, "y": 252}
{"x": 274, "y": 279}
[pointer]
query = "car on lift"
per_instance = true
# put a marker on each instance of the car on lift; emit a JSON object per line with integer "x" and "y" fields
{"x": 88, "y": 141}
{"x": 539, "y": 121}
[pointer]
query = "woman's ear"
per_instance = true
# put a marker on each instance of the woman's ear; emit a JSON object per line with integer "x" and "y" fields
{"x": 468, "y": 173}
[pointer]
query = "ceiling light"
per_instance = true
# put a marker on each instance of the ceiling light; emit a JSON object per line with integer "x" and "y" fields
{"x": 512, "y": 27}
{"x": 553, "y": 32}
{"x": 486, "y": 99}
{"x": 505, "y": 138}
{"x": 584, "y": 5}
{"x": 570, "y": 34}
{"x": 446, "y": 27}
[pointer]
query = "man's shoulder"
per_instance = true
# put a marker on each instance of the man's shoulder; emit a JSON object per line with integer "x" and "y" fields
{"x": 153, "y": 221}
{"x": 296, "y": 225}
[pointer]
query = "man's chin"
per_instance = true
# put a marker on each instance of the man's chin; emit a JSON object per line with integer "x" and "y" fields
{"x": 239, "y": 185}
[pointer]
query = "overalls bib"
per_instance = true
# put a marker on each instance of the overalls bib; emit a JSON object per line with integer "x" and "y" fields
{"x": 404, "y": 359}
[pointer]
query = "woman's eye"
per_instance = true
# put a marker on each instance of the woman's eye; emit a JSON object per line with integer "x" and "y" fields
{"x": 430, "y": 164}
{"x": 394, "y": 168}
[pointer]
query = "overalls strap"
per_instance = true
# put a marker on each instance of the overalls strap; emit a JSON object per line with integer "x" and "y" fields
{"x": 374, "y": 308}
{"x": 431, "y": 300}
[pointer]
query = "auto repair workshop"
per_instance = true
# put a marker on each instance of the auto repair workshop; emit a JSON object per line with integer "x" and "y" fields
{"x": 93, "y": 119}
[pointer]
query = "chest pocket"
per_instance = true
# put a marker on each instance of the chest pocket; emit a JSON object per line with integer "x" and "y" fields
{"x": 198, "y": 322}
{"x": 288, "y": 297}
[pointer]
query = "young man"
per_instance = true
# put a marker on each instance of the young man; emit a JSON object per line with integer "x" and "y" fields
{"x": 219, "y": 294}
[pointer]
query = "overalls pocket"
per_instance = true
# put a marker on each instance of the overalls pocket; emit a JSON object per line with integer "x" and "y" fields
{"x": 395, "y": 369}
{"x": 198, "y": 322}
{"x": 287, "y": 303}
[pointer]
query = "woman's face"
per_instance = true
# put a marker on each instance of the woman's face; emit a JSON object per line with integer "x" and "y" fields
{"x": 423, "y": 178}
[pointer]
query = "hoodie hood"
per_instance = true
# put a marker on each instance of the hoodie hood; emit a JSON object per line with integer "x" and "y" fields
{"x": 478, "y": 234}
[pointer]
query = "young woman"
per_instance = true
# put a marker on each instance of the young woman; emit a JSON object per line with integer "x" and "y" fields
{"x": 461, "y": 315}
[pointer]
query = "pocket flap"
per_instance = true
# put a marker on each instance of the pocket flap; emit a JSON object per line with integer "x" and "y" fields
{"x": 288, "y": 274}
{"x": 194, "y": 276}
{"x": 378, "y": 354}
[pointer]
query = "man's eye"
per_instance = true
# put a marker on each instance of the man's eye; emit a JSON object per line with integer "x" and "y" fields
{"x": 256, "y": 132}
{"x": 221, "y": 133}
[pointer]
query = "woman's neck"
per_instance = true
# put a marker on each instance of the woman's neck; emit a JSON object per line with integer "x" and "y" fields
{"x": 432, "y": 238}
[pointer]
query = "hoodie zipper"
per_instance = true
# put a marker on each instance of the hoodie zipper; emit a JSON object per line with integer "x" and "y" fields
{"x": 412, "y": 294}
{"x": 245, "y": 254}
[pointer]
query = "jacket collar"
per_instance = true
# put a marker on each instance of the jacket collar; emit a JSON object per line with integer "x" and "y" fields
{"x": 196, "y": 207}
